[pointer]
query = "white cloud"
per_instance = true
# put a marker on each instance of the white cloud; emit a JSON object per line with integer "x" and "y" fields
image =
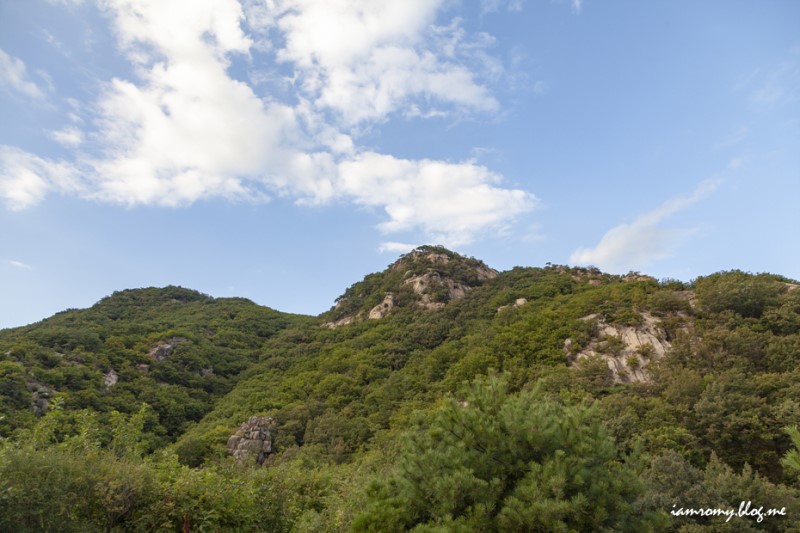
{"x": 451, "y": 202}
{"x": 187, "y": 130}
{"x": 577, "y": 5}
{"x": 365, "y": 60}
{"x": 396, "y": 247}
{"x": 184, "y": 129}
{"x": 490, "y": 6}
{"x": 13, "y": 75}
{"x": 19, "y": 264}
{"x": 26, "y": 178}
{"x": 634, "y": 246}
{"x": 69, "y": 136}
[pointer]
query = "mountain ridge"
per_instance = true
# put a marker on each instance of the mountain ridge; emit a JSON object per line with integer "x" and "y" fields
{"x": 697, "y": 378}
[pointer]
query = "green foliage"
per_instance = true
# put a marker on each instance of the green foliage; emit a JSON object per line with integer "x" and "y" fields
{"x": 63, "y": 490}
{"x": 436, "y": 261}
{"x": 73, "y": 352}
{"x": 78, "y": 452}
{"x": 495, "y": 461}
{"x": 792, "y": 458}
{"x": 675, "y": 484}
{"x": 746, "y": 294}
{"x": 666, "y": 302}
{"x": 62, "y": 479}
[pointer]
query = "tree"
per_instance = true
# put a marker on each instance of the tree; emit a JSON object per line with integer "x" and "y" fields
{"x": 746, "y": 294}
{"x": 792, "y": 458}
{"x": 491, "y": 460}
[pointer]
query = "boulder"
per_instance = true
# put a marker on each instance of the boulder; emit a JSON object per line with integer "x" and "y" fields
{"x": 253, "y": 440}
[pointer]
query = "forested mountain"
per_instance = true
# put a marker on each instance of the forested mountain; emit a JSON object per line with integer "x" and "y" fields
{"x": 438, "y": 394}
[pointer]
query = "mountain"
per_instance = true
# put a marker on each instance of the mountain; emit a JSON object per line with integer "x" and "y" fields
{"x": 437, "y": 376}
{"x": 426, "y": 278}
{"x": 175, "y": 349}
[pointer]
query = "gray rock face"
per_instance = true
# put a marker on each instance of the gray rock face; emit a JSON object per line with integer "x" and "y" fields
{"x": 383, "y": 308}
{"x": 253, "y": 439}
{"x": 426, "y": 276}
{"x": 627, "y": 350}
{"x": 40, "y": 397}
{"x": 519, "y": 302}
{"x": 110, "y": 379}
{"x": 164, "y": 349}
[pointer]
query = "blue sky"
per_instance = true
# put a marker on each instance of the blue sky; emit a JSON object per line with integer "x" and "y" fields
{"x": 281, "y": 150}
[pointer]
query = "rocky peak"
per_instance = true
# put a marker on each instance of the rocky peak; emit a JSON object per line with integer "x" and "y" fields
{"x": 426, "y": 278}
{"x": 442, "y": 260}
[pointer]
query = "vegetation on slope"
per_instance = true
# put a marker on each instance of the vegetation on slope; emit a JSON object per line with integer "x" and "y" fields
{"x": 388, "y": 424}
{"x": 175, "y": 349}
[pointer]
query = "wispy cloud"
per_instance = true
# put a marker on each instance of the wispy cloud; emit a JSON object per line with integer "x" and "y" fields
{"x": 575, "y": 5}
{"x": 13, "y": 75}
{"x": 734, "y": 137}
{"x": 69, "y": 136}
{"x": 20, "y": 265}
{"x": 641, "y": 243}
{"x": 737, "y": 162}
{"x": 396, "y": 247}
{"x": 491, "y": 6}
{"x": 26, "y": 178}
{"x": 535, "y": 233}
{"x": 776, "y": 85}
{"x": 185, "y": 130}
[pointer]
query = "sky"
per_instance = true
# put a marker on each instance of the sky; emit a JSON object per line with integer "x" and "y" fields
{"x": 280, "y": 150}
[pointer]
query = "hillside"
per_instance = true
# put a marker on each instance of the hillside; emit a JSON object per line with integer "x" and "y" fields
{"x": 684, "y": 391}
{"x": 175, "y": 349}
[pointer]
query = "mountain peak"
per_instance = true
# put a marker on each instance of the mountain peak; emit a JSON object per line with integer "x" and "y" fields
{"x": 427, "y": 278}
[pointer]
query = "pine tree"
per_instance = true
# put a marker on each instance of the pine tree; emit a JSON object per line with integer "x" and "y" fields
{"x": 494, "y": 461}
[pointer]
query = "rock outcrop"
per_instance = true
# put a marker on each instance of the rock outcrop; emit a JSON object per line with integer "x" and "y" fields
{"x": 434, "y": 258}
{"x": 519, "y": 302}
{"x": 626, "y": 349}
{"x": 431, "y": 282}
{"x": 383, "y": 308}
{"x": 253, "y": 440}
{"x": 110, "y": 378}
{"x": 163, "y": 349}
{"x": 333, "y": 324}
{"x": 426, "y": 278}
{"x": 40, "y": 396}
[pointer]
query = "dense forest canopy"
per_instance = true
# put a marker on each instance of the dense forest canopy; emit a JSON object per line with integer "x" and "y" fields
{"x": 437, "y": 395}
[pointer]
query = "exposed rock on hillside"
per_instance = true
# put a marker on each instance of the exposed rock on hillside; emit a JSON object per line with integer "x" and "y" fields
{"x": 253, "y": 439}
{"x": 340, "y": 322}
{"x": 519, "y": 302}
{"x": 40, "y": 396}
{"x": 383, "y": 308}
{"x": 110, "y": 378}
{"x": 164, "y": 349}
{"x": 426, "y": 278}
{"x": 627, "y": 350}
{"x": 431, "y": 285}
